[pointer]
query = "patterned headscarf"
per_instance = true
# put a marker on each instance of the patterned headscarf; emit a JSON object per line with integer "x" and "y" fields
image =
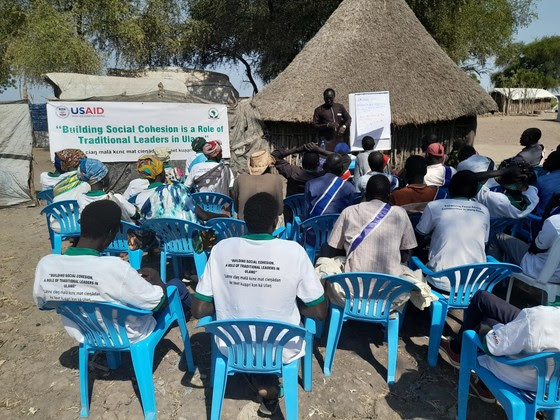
{"x": 149, "y": 167}
{"x": 213, "y": 150}
{"x": 68, "y": 159}
{"x": 91, "y": 171}
{"x": 198, "y": 143}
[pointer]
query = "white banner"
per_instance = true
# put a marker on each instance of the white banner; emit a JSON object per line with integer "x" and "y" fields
{"x": 371, "y": 116}
{"x": 123, "y": 131}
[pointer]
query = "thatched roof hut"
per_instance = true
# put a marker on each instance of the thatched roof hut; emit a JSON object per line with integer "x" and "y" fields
{"x": 374, "y": 45}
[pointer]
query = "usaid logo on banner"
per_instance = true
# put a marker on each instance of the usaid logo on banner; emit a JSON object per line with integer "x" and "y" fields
{"x": 62, "y": 111}
{"x": 87, "y": 111}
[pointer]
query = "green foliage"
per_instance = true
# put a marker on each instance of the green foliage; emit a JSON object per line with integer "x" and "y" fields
{"x": 47, "y": 42}
{"x": 473, "y": 30}
{"x": 535, "y": 65}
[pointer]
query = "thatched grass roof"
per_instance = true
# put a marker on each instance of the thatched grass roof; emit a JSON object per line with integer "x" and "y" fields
{"x": 374, "y": 45}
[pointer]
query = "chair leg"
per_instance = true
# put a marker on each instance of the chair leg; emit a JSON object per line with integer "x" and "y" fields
{"x": 135, "y": 258}
{"x": 335, "y": 327}
{"x": 176, "y": 307}
{"x": 143, "y": 364}
{"x": 113, "y": 359}
{"x": 57, "y": 244}
{"x": 163, "y": 266}
{"x": 219, "y": 382}
{"x": 439, "y": 314}
{"x": 290, "y": 378}
{"x": 510, "y": 287}
{"x": 213, "y": 356}
{"x": 83, "y": 355}
{"x": 392, "y": 347}
{"x": 306, "y": 366}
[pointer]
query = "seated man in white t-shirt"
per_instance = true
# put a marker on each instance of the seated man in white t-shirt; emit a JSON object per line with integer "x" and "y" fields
{"x": 459, "y": 227}
{"x": 284, "y": 270}
{"x": 99, "y": 279}
{"x": 438, "y": 174}
{"x": 505, "y": 330}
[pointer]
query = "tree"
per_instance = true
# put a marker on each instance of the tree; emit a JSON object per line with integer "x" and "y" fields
{"x": 263, "y": 34}
{"x": 473, "y": 30}
{"x": 40, "y": 36}
{"x": 535, "y": 65}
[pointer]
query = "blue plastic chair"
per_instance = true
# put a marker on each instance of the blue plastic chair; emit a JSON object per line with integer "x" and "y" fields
{"x": 176, "y": 238}
{"x": 46, "y": 196}
{"x": 120, "y": 245}
{"x": 465, "y": 281}
{"x": 369, "y": 298}
{"x": 67, "y": 215}
{"x": 316, "y": 231}
{"x": 249, "y": 352}
{"x": 296, "y": 203}
{"x": 518, "y": 404}
{"x": 109, "y": 335}
{"x": 227, "y": 227}
{"x": 212, "y": 202}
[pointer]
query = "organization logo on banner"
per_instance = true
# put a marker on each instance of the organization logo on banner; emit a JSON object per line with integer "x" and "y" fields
{"x": 62, "y": 111}
{"x": 213, "y": 114}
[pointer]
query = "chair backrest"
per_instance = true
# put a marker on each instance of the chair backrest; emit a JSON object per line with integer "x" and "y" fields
{"x": 102, "y": 324}
{"x": 255, "y": 344}
{"x": 212, "y": 202}
{"x": 371, "y": 295}
{"x": 176, "y": 235}
{"x": 552, "y": 262}
{"x": 120, "y": 243}
{"x": 66, "y": 213}
{"x": 466, "y": 280}
{"x": 46, "y": 195}
{"x": 320, "y": 228}
{"x": 227, "y": 227}
{"x": 296, "y": 203}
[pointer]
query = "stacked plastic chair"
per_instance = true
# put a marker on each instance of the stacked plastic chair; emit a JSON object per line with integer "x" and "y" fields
{"x": 296, "y": 204}
{"x": 227, "y": 227}
{"x": 316, "y": 232}
{"x": 212, "y": 202}
{"x": 120, "y": 245}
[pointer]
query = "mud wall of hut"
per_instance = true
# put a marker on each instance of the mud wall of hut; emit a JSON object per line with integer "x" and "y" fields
{"x": 406, "y": 140}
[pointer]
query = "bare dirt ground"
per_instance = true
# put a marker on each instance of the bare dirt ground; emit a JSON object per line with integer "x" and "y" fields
{"x": 39, "y": 362}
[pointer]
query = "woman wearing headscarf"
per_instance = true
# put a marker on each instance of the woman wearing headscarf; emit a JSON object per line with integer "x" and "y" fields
{"x": 65, "y": 163}
{"x": 197, "y": 146}
{"x": 212, "y": 175}
{"x": 96, "y": 174}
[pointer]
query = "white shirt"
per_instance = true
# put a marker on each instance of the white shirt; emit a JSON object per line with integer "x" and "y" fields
{"x": 477, "y": 163}
{"x": 250, "y": 278}
{"x": 90, "y": 278}
{"x": 48, "y": 181}
{"x": 532, "y": 264}
{"x": 201, "y": 169}
{"x": 436, "y": 174}
{"x": 136, "y": 186}
{"x": 459, "y": 230}
{"x": 74, "y": 193}
{"x": 534, "y": 330}
{"x": 85, "y": 199}
{"x": 498, "y": 203}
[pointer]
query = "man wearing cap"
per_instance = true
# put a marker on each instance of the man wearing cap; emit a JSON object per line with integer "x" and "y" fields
{"x": 438, "y": 174}
{"x": 331, "y": 120}
{"x": 212, "y": 175}
{"x": 259, "y": 179}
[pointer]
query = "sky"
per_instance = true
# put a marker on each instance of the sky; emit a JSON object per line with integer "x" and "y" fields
{"x": 547, "y": 23}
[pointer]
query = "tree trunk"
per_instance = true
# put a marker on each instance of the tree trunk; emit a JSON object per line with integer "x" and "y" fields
{"x": 249, "y": 74}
